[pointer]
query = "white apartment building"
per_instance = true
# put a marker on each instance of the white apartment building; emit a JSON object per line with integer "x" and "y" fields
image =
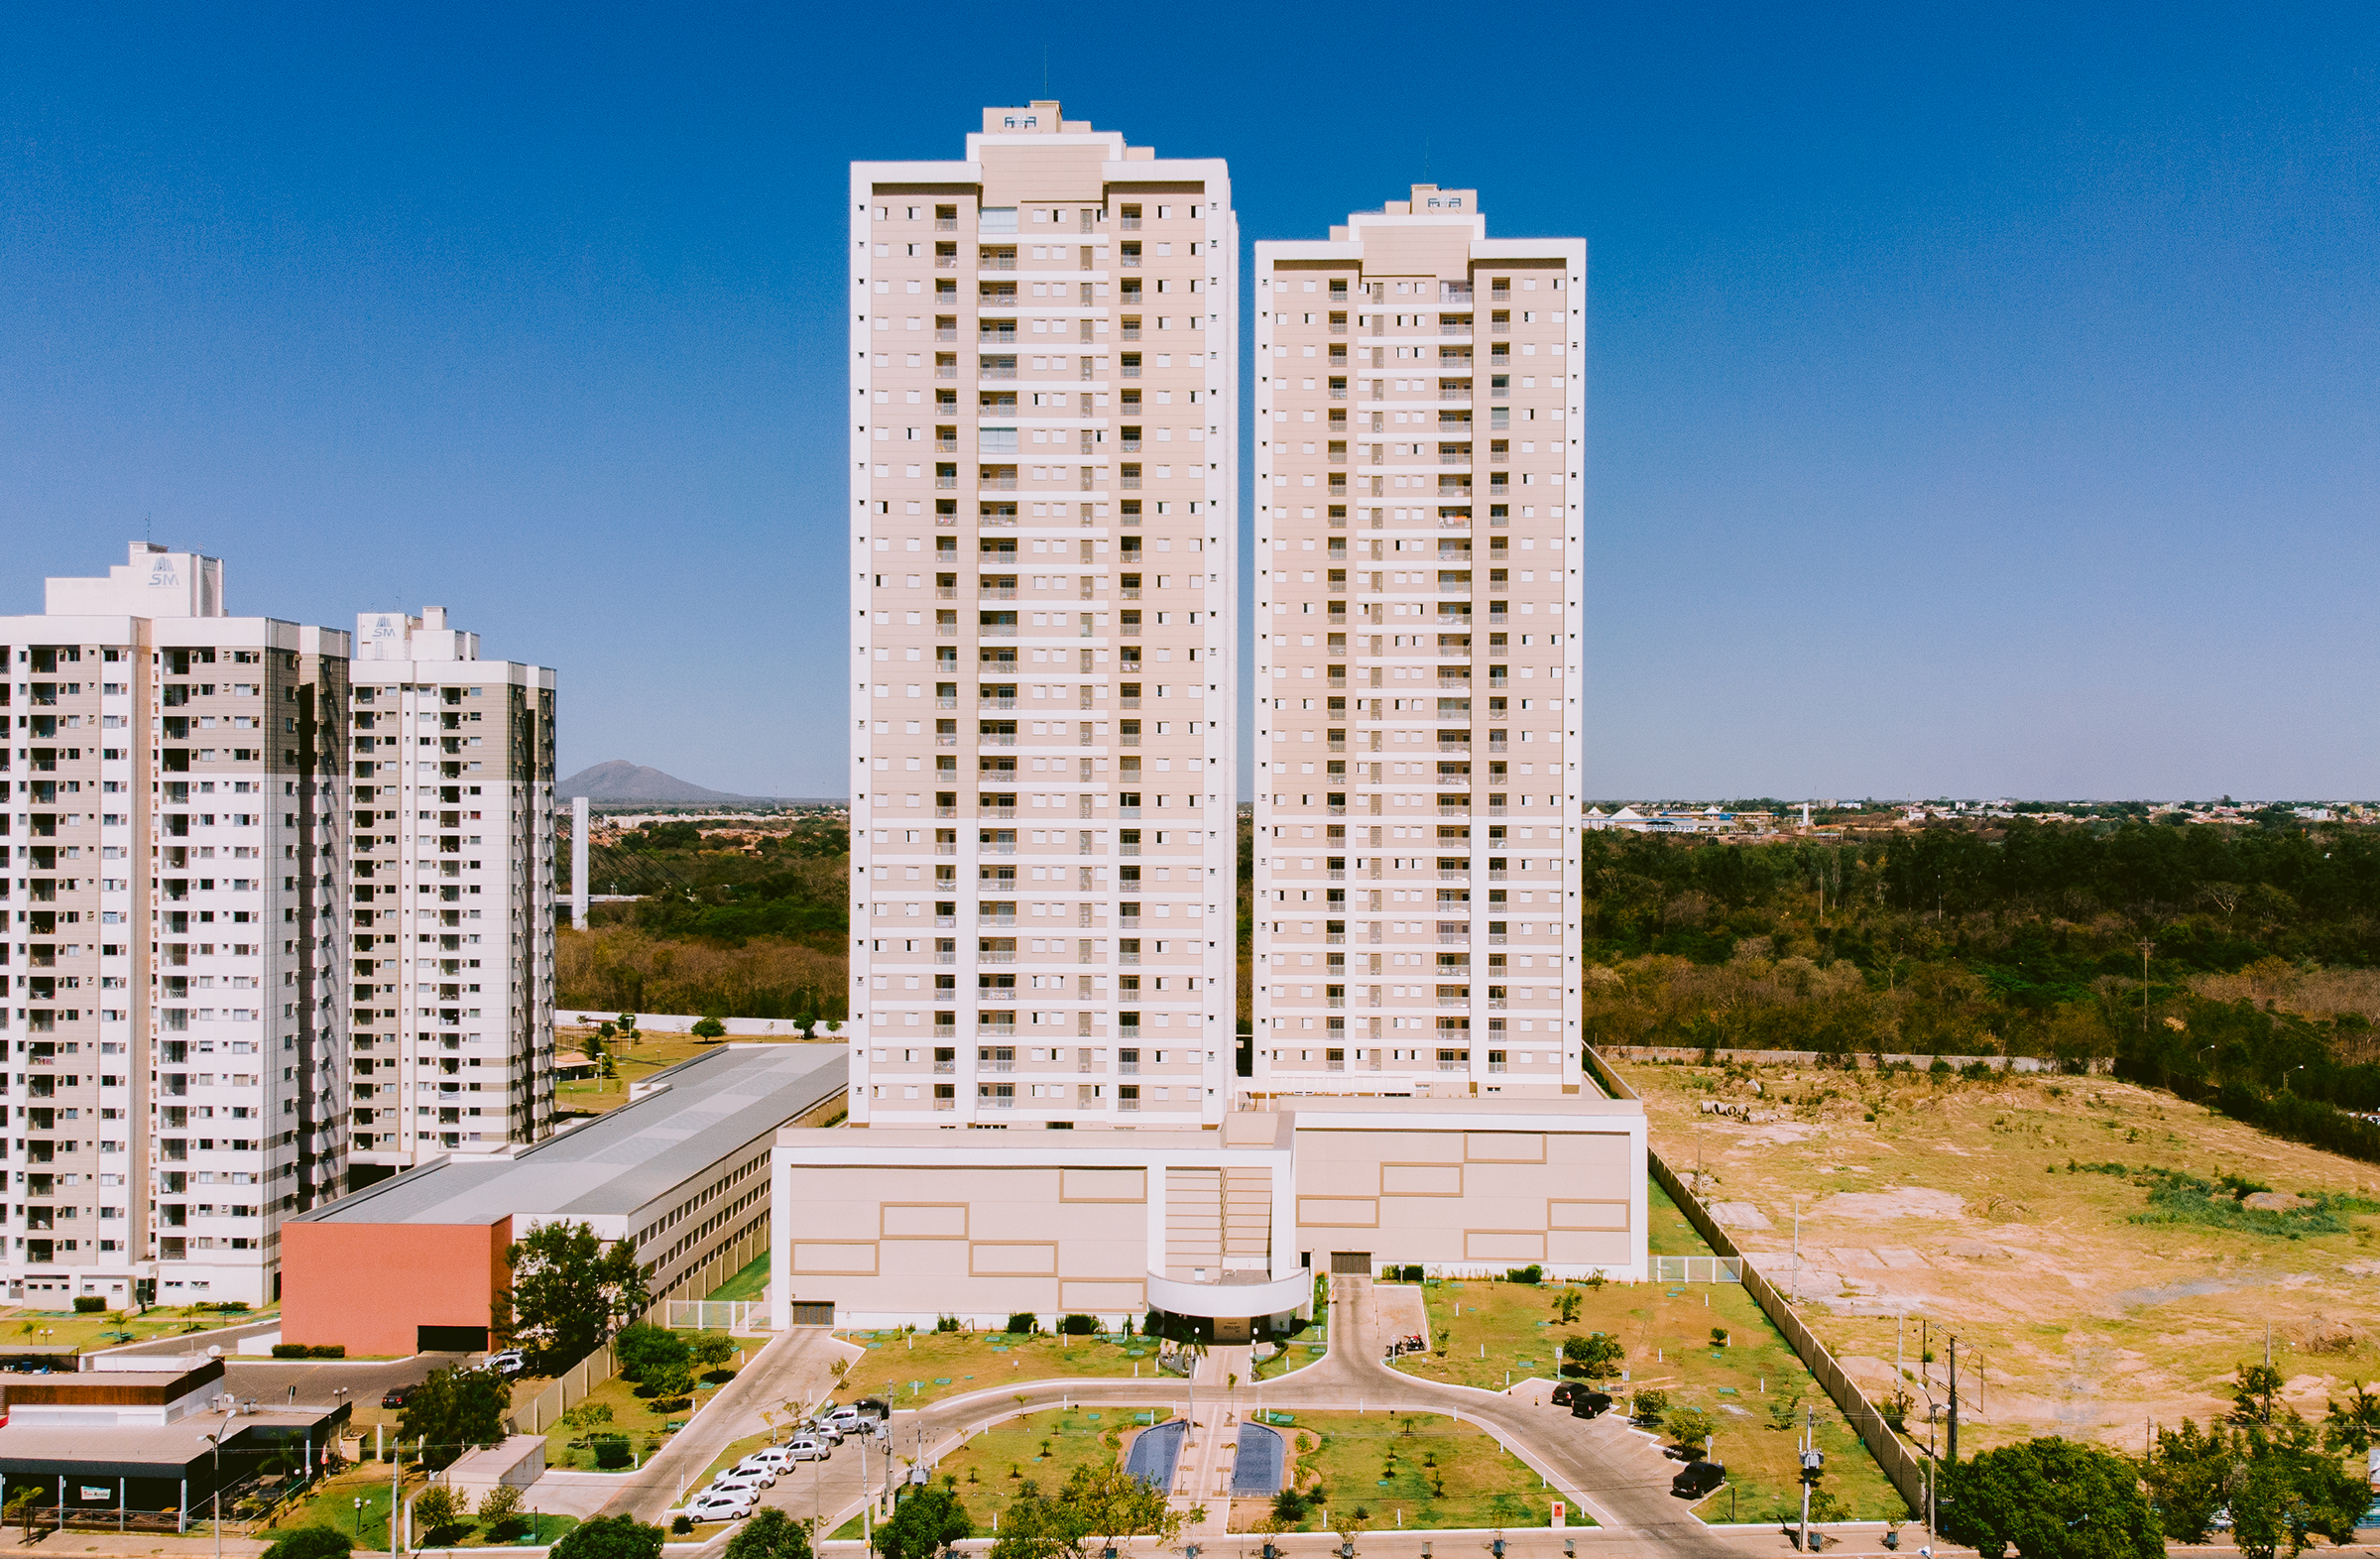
{"x": 451, "y": 887}
{"x": 1043, "y": 467}
{"x": 1420, "y": 396}
{"x": 174, "y": 825}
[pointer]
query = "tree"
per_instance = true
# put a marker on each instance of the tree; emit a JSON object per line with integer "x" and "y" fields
{"x": 500, "y": 1508}
{"x": 610, "y": 1537}
{"x": 1566, "y": 1306}
{"x": 2259, "y": 1386}
{"x": 2352, "y": 1428}
{"x": 926, "y": 1521}
{"x": 567, "y": 1290}
{"x": 439, "y": 1507}
{"x": 1690, "y": 1426}
{"x": 644, "y": 1347}
{"x": 770, "y": 1533}
{"x": 1649, "y": 1405}
{"x": 2050, "y": 1499}
{"x": 2289, "y": 1491}
{"x": 312, "y": 1542}
{"x": 2189, "y": 1477}
{"x": 708, "y": 1027}
{"x": 1596, "y": 1356}
{"x": 1095, "y": 1506}
{"x": 454, "y": 1411}
{"x": 711, "y": 1350}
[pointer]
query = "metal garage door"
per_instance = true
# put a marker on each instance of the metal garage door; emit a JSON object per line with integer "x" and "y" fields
{"x": 1356, "y": 1263}
{"x": 813, "y": 1313}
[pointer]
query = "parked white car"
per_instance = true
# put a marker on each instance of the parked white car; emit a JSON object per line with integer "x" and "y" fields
{"x": 809, "y": 1448}
{"x": 768, "y": 1459}
{"x": 720, "y": 1506}
{"x": 733, "y": 1481}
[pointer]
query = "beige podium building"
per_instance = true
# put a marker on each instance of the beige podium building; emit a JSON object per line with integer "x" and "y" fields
{"x": 899, "y": 1227}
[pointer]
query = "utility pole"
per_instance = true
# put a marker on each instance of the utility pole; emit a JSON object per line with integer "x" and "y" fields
{"x": 1954, "y": 1434}
{"x": 1812, "y": 1459}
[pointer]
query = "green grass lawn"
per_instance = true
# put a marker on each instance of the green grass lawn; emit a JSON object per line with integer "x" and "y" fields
{"x": 1665, "y": 1328}
{"x": 910, "y": 1371}
{"x": 1415, "y": 1470}
{"x": 1041, "y": 1448}
{"x": 333, "y": 1504}
{"x": 747, "y": 1283}
{"x": 87, "y": 1332}
{"x": 633, "y": 1415}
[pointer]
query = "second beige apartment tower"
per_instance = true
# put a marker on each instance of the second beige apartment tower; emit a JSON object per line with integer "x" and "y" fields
{"x": 1419, "y": 389}
{"x": 1043, "y": 459}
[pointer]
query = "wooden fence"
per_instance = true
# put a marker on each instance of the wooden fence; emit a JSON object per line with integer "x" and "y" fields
{"x": 1892, "y": 1453}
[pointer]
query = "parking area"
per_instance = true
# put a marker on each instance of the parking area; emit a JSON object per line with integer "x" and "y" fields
{"x": 316, "y": 1381}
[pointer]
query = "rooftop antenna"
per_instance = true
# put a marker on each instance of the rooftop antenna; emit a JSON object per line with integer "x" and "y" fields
{"x": 1045, "y": 69}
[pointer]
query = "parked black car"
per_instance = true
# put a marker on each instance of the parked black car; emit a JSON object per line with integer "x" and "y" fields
{"x": 1562, "y": 1394}
{"x": 1698, "y": 1480}
{"x": 1590, "y": 1404}
{"x": 399, "y": 1395}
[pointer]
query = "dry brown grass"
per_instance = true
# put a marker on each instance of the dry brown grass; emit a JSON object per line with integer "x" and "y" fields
{"x": 1953, "y": 1204}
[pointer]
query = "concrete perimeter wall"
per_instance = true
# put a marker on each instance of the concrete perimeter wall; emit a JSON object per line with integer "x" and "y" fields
{"x": 1891, "y": 1452}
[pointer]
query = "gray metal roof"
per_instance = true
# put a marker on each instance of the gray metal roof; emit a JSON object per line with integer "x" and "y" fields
{"x": 688, "y": 1118}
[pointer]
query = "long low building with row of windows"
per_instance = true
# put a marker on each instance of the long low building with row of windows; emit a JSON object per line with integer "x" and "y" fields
{"x": 888, "y": 1226}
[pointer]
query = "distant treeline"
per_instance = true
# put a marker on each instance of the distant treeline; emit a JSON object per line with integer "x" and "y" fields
{"x": 2236, "y": 965}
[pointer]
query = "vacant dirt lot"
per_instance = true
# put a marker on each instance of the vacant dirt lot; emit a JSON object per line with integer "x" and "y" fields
{"x": 2078, "y": 1236}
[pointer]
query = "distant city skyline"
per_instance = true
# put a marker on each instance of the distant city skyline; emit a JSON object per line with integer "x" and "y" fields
{"x": 1980, "y": 409}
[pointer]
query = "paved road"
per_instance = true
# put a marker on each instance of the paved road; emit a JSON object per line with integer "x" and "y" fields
{"x": 792, "y": 1368}
{"x": 1618, "y": 1476}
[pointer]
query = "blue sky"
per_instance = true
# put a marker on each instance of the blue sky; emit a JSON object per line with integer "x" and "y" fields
{"x": 1982, "y": 400}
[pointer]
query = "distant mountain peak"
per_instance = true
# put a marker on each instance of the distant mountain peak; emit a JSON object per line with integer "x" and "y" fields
{"x": 622, "y": 780}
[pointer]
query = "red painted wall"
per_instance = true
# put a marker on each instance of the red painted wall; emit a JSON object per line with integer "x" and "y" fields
{"x": 370, "y": 1285}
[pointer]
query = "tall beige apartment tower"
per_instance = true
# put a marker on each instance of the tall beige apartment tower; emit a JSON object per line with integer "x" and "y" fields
{"x": 1418, "y": 400}
{"x": 1044, "y": 440}
{"x": 174, "y": 826}
{"x": 450, "y": 887}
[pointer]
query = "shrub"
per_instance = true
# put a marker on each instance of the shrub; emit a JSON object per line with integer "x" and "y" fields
{"x": 328, "y": 1351}
{"x": 610, "y": 1537}
{"x": 946, "y": 1323}
{"x": 1024, "y": 1321}
{"x": 90, "y": 1304}
{"x": 311, "y": 1543}
{"x": 680, "y": 1524}
{"x": 1690, "y": 1426}
{"x": 1525, "y": 1274}
{"x": 289, "y": 1349}
{"x": 611, "y": 1450}
{"x": 1079, "y": 1326}
{"x": 644, "y": 1347}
